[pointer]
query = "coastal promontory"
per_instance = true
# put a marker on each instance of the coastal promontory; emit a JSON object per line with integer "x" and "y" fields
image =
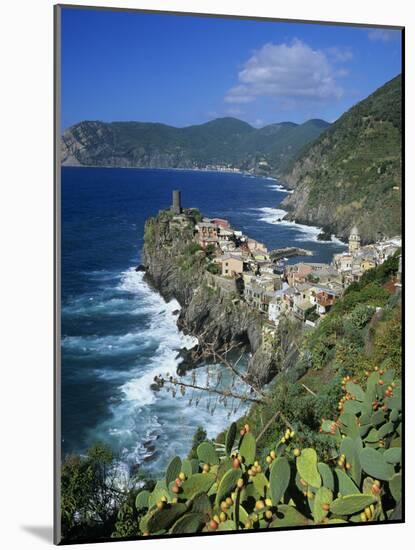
{"x": 211, "y": 306}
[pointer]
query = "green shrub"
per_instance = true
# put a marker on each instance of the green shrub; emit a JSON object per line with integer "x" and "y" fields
{"x": 214, "y": 268}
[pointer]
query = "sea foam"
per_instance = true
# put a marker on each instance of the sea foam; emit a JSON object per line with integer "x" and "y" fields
{"x": 276, "y": 216}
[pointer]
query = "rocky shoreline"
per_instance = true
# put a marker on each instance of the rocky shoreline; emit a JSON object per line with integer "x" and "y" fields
{"x": 219, "y": 319}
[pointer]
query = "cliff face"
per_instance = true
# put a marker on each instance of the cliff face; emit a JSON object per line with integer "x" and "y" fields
{"x": 351, "y": 175}
{"x": 177, "y": 269}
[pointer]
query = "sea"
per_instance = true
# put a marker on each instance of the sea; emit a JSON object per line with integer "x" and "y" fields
{"x": 118, "y": 333}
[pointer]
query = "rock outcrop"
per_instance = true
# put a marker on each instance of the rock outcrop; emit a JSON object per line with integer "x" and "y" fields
{"x": 176, "y": 267}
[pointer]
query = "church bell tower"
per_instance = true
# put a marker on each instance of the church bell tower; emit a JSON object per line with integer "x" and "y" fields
{"x": 354, "y": 240}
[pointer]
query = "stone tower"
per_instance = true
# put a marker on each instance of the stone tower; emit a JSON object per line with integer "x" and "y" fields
{"x": 354, "y": 240}
{"x": 176, "y": 206}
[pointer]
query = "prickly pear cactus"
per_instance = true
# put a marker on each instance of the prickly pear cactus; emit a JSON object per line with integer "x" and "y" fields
{"x": 232, "y": 490}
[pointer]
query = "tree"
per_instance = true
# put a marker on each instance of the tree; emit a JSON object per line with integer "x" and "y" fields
{"x": 89, "y": 493}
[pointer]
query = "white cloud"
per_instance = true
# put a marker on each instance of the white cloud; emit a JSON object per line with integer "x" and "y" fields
{"x": 340, "y": 55}
{"x": 288, "y": 72}
{"x": 383, "y": 35}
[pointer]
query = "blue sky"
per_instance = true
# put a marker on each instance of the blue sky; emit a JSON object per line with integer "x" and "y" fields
{"x": 183, "y": 70}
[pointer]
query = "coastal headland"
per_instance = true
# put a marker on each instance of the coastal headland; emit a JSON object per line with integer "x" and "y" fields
{"x": 212, "y": 308}
{"x": 236, "y": 295}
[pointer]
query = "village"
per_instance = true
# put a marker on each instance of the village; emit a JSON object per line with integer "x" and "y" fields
{"x": 305, "y": 291}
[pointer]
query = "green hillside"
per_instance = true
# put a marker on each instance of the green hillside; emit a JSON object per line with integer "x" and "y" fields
{"x": 323, "y": 445}
{"x": 352, "y": 173}
{"x": 225, "y": 141}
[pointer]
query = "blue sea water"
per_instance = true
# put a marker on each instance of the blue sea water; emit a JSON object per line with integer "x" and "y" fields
{"x": 117, "y": 333}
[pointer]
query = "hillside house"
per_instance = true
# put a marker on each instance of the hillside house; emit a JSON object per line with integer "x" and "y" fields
{"x": 276, "y": 307}
{"x": 343, "y": 262}
{"x": 325, "y": 275}
{"x": 386, "y": 249}
{"x": 301, "y": 306}
{"x": 225, "y": 234}
{"x": 207, "y": 233}
{"x": 298, "y": 273}
{"x": 224, "y": 224}
{"x": 232, "y": 264}
{"x": 259, "y": 290}
{"x": 325, "y": 299}
{"x": 227, "y": 246}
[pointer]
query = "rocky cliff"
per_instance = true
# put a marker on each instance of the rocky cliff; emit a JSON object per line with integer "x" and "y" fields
{"x": 351, "y": 175}
{"x": 211, "y": 311}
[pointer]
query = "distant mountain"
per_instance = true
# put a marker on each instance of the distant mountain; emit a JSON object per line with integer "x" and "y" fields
{"x": 351, "y": 175}
{"x": 221, "y": 142}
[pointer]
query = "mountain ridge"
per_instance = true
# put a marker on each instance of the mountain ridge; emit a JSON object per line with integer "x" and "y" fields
{"x": 226, "y": 142}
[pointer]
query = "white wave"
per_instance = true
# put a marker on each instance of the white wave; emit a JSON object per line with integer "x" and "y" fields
{"x": 142, "y": 423}
{"x": 271, "y": 215}
{"x": 276, "y": 216}
{"x": 280, "y": 188}
{"x": 163, "y": 329}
